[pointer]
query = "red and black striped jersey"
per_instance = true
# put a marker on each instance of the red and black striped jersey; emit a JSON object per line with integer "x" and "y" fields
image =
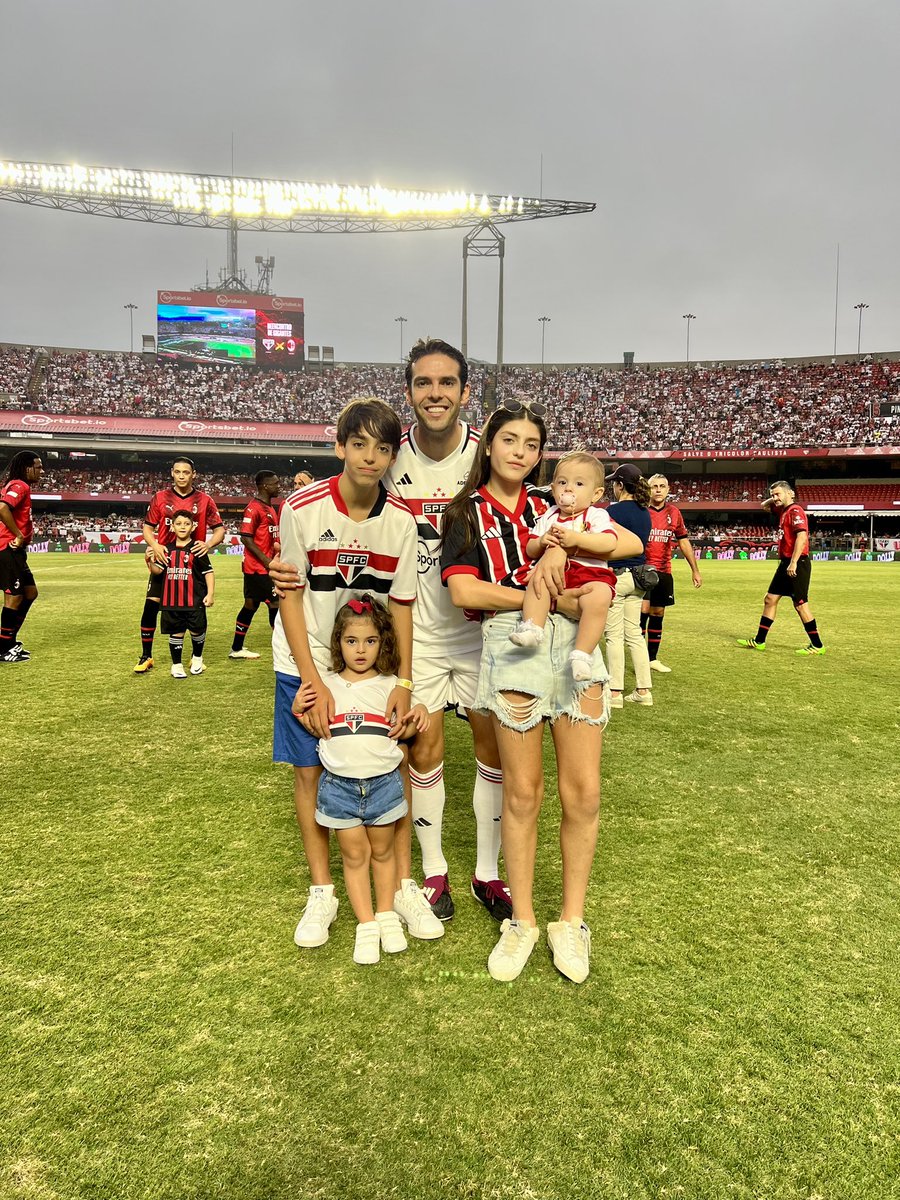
{"x": 201, "y": 507}
{"x": 499, "y": 554}
{"x": 184, "y": 585}
{"x": 259, "y": 522}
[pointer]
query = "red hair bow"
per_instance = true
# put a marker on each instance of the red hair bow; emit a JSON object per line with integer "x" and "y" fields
{"x": 359, "y": 606}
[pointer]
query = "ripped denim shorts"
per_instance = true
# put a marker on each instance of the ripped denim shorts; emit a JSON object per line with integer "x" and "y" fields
{"x": 542, "y": 672}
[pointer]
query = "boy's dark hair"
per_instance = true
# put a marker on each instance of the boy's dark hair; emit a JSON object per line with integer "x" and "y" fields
{"x": 368, "y": 414}
{"x": 184, "y": 458}
{"x": 19, "y": 464}
{"x": 459, "y": 509}
{"x": 261, "y": 475}
{"x": 435, "y": 346}
{"x": 388, "y": 661}
{"x": 183, "y": 512}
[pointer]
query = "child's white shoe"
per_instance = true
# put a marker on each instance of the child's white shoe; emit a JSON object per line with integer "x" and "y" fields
{"x": 367, "y": 948}
{"x": 391, "y": 933}
{"x": 178, "y": 671}
{"x": 197, "y": 666}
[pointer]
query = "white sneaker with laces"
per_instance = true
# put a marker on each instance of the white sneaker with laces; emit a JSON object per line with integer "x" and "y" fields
{"x": 178, "y": 671}
{"x": 321, "y": 909}
{"x": 656, "y": 665}
{"x": 635, "y": 697}
{"x": 391, "y": 932}
{"x": 242, "y": 654}
{"x": 509, "y": 956}
{"x": 570, "y": 942}
{"x": 367, "y": 947}
{"x": 616, "y": 700}
{"x": 197, "y": 666}
{"x": 416, "y": 913}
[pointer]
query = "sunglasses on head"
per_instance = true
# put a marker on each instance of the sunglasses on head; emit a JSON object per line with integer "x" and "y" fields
{"x": 534, "y": 408}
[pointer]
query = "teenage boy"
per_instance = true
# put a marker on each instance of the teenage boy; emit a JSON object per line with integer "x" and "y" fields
{"x": 667, "y": 528}
{"x": 188, "y": 589}
{"x": 346, "y": 535}
{"x": 16, "y": 527}
{"x": 434, "y": 460}
{"x": 259, "y": 533}
{"x": 158, "y": 534}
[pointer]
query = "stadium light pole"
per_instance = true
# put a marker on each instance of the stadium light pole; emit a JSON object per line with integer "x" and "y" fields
{"x": 687, "y": 350}
{"x": 545, "y": 321}
{"x": 859, "y": 307}
{"x": 131, "y": 311}
{"x": 401, "y": 321}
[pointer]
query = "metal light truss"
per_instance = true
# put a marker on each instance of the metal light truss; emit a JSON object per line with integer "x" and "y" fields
{"x": 264, "y": 205}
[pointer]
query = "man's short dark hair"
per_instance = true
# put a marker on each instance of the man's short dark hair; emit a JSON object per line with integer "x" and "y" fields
{"x": 368, "y": 414}
{"x": 261, "y": 475}
{"x": 184, "y": 458}
{"x": 435, "y": 346}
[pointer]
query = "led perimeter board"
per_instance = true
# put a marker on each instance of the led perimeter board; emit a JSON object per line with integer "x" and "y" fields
{"x": 230, "y": 327}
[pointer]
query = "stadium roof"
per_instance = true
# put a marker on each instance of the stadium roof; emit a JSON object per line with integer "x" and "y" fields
{"x": 270, "y": 205}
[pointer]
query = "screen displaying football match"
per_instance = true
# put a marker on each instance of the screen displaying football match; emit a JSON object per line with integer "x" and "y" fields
{"x": 232, "y": 327}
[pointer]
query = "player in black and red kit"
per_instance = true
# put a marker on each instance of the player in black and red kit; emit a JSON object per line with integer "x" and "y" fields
{"x": 158, "y": 534}
{"x": 188, "y": 589}
{"x": 259, "y": 533}
{"x": 16, "y": 527}
{"x": 793, "y": 573}
{"x": 667, "y": 529}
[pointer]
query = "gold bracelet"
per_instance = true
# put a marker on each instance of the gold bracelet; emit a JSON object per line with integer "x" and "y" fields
{"x": 405, "y": 683}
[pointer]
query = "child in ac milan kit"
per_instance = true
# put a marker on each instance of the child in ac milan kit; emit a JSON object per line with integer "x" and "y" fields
{"x": 187, "y": 592}
{"x": 360, "y": 793}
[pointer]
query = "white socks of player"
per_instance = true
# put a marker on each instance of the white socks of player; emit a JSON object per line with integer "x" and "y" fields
{"x": 428, "y": 799}
{"x": 487, "y": 801}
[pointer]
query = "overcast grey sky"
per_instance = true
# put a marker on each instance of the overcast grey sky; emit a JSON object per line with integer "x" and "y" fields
{"x": 729, "y": 147}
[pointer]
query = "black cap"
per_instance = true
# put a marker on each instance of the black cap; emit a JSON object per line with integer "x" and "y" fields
{"x": 626, "y": 474}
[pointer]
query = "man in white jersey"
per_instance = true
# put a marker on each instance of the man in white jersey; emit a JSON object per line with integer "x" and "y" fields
{"x": 435, "y": 455}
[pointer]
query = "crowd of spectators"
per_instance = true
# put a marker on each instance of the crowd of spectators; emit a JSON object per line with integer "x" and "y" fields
{"x": 755, "y": 405}
{"x": 140, "y": 483}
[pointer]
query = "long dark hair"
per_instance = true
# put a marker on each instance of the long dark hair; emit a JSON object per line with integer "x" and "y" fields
{"x": 459, "y": 510}
{"x": 639, "y": 492}
{"x": 388, "y": 661}
{"x": 19, "y": 464}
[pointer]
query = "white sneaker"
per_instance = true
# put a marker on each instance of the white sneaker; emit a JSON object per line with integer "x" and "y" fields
{"x": 582, "y": 665}
{"x": 526, "y": 633}
{"x": 367, "y": 947}
{"x": 391, "y": 932}
{"x": 616, "y": 700}
{"x": 242, "y": 654}
{"x": 416, "y": 913}
{"x": 321, "y": 909}
{"x": 635, "y": 697}
{"x": 197, "y": 666}
{"x": 570, "y": 942}
{"x": 178, "y": 671}
{"x": 656, "y": 665}
{"x": 509, "y": 956}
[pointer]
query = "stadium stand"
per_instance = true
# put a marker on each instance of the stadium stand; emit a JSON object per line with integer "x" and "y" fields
{"x": 755, "y": 405}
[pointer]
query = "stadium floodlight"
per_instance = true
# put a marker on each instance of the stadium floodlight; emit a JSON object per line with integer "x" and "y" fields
{"x": 269, "y": 205}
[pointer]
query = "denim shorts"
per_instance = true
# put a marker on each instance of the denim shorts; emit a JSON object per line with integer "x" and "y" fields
{"x": 343, "y": 803}
{"x": 541, "y": 671}
{"x": 290, "y": 741}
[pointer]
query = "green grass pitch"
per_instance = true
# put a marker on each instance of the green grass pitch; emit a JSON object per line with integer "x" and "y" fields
{"x": 738, "y": 1035}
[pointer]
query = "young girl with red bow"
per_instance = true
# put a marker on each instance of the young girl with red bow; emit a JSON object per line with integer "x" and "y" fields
{"x": 360, "y": 790}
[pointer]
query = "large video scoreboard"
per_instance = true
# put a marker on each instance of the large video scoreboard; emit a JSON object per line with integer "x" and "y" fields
{"x": 230, "y": 327}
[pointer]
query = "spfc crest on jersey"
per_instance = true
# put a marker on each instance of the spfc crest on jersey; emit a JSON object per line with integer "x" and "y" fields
{"x": 351, "y": 564}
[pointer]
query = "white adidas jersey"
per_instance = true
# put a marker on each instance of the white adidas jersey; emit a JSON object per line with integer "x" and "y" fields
{"x": 427, "y": 487}
{"x": 340, "y": 558}
{"x": 359, "y": 746}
